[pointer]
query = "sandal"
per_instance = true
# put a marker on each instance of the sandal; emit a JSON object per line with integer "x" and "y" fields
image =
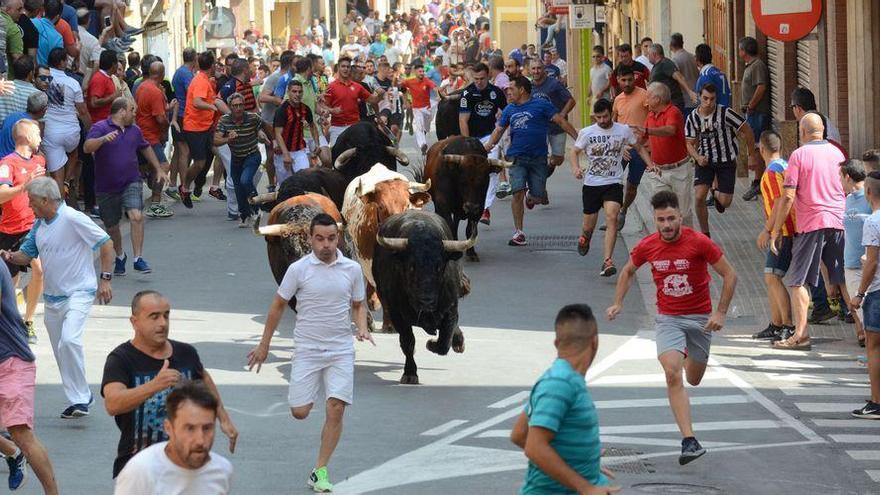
{"x": 793, "y": 344}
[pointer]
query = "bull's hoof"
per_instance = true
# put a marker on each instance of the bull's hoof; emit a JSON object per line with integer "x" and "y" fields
{"x": 434, "y": 346}
{"x": 458, "y": 342}
{"x": 388, "y": 327}
{"x": 473, "y": 257}
{"x": 409, "y": 380}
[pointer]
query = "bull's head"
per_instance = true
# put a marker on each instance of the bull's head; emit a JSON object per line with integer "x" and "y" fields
{"x": 473, "y": 179}
{"x": 399, "y": 244}
{"x": 348, "y": 154}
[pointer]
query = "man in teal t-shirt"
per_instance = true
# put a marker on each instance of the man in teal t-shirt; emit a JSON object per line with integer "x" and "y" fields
{"x": 559, "y": 429}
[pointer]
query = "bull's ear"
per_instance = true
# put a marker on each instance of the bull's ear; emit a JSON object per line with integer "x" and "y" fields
{"x": 419, "y": 199}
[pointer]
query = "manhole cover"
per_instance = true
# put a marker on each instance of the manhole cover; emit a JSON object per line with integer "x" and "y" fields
{"x": 676, "y": 488}
{"x": 632, "y": 465}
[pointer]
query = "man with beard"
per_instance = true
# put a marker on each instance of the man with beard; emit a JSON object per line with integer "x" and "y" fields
{"x": 185, "y": 462}
{"x": 685, "y": 319}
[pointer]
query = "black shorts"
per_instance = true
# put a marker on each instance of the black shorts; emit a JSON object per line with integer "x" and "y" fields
{"x": 392, "y": 118}
{"x": 175, "y": 134}
{"x": 199, "y": 143}
{"x": 724, "y": 171}
{"x": 11, "y": 242}
{"x": 594, "y": 197}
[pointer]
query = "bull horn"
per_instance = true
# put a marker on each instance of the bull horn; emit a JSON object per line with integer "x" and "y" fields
{"x": 276, "y": 229}
{"x": 461, "y": 246}
{"x": 392, "y": 243}
{"x": 459, "y": 159}
{"x": 500, "y": 163}
{"x": 263, "y": 198}
{"x": 415, "y": 187}
{"x": 401, "y": 156}
{"x": 344, "y": 157}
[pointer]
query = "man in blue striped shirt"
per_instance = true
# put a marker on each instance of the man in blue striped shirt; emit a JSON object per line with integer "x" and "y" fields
{"x": 559, "y": 429}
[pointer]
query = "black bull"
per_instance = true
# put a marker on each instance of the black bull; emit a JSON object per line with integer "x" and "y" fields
{"x": 418, "y": 279}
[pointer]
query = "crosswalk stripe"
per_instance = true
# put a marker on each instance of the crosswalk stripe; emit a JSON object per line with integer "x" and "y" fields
{"x": 445, "y": 427}
{"x": 846, "y": 423}
{"x": 864, "y": 455}
{"x": 707, "y": 426}
{"x": 781, "y": 363}
{"x": 695, "y": 401}
{"x": 826, "y": 407}
{"x": 854, "y": 438}
{"x": 874, "y": 474}
{"x": 819, "y": 378}
{"x": 646, "y": 378}
{"x": 516, "y": 398}
{"x": 837, "y": 391}
{"x": 663, "y": 442}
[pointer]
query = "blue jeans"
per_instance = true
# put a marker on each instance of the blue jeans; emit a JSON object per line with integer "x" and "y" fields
{"x": 243, "y": 171}
{"x": 759, "y": 122}
{"x": 529, "y": 172}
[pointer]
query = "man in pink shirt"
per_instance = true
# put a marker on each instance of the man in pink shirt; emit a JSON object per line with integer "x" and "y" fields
{"x": 812, "y": 185}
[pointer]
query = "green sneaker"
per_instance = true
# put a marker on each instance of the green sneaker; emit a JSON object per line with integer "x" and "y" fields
{"x": 319, "y": 481}
{"x": 31, "y": 333}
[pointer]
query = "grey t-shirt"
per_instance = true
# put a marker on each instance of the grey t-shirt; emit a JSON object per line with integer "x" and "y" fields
{"x": 13, "y": 334}
{"x": 687, "y": 64}
{"x": 663, "y": 71}
{"x": 268, "y": 109}
{"x": 756, "y": 73}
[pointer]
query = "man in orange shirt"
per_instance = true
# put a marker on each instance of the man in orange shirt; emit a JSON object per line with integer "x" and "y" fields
{"x": 202, "y": 105}
{"x": 419, "y": 89}
{"x": 152, "y": 118}
{"x": 630, "y": 108}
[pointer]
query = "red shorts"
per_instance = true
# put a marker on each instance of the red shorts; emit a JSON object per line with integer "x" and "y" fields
{"x": 17, "y": 378}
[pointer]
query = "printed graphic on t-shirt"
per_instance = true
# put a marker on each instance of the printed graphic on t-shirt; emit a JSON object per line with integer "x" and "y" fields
{"x": 149, "y": 418}
{"x": 603, "y": 154}
{"x": 520, "y": 120}
{"x": 677, "y": 285}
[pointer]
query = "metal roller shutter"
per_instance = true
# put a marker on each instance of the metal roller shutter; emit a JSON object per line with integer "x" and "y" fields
{"x": 807, "y": 64}
{"x": 775, "y": 64}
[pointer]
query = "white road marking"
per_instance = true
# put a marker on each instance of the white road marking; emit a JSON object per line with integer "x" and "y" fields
{"x": 516, "y": 398}
{"x": 846, "y": 423}
{"x": 695, "y": 401}
{"x": 445, "y": 427}
{"x": 646, "y": 378}
{"x": 708, "y": 426}
{"x": 835, "y": 391}
{"x": 663, "y": 442}
{"x": 830, "y": 364}
{"x": 276, "y": 409}
{"x": 874, "y": 474}
{"x": 818, "y": 378}
{"x": 826, "y": 407}
{"x": 864, "y": 455}
{"x": 854, "y": 438}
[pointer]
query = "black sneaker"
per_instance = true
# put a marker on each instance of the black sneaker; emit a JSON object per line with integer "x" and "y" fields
{"x": 753, "y": 192}
{"x": 821, "y": 316}
{"x": 717, "y": 204}
{"x": 690, "y": 450}
{"x": 770, "y": 333}
{"x": 870, "y": 411}
{"x": 75, "y": 411}
{"x": 185, "y": 197}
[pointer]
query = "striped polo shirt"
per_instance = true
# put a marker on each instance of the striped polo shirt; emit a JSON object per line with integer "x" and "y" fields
{"x": 291, "y": 121}
{"x": 246, "y": 142}
{"x": 17, "y": 101}
{"x": 560, "y": 402}
{"x": 715, "y": 133}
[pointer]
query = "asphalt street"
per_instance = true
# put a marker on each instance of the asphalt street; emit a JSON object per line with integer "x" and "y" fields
{"x": 449, "y": 434}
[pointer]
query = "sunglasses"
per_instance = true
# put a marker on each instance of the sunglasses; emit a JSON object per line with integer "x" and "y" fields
{"x": 45, "y": 78}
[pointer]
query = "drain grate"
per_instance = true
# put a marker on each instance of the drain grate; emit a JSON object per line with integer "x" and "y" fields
{"x": 630, "y": 464}
{"x": 553, "y": 242}
{"x": 676, "y": 488}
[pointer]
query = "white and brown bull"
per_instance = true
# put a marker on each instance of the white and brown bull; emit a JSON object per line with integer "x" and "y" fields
{"x": 369, "y": 200}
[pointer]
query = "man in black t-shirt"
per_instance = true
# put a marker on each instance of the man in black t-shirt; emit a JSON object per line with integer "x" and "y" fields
{"x": 481, "y": 104}
{"x": 139, "y": 375}
{"x": 390, "y": 107}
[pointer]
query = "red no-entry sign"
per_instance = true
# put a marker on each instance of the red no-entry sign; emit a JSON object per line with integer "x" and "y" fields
{"x": 786, "y": 20}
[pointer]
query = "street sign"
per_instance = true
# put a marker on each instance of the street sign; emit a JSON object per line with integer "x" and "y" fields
{"x": 786, "y": 20}
{"x": 582, "y": 17}
{"x": 559, "y": 7}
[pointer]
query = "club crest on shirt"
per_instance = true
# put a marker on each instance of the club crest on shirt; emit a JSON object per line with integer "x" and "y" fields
{"x": 4, "y": 171}
{"x": 677, "y": 285}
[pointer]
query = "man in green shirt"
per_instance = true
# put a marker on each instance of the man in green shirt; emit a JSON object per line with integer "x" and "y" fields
{"x": 14, "y": 38}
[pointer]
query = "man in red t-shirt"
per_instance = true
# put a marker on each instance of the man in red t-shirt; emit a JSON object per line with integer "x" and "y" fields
{"x": 685, "y": 320}
{"x": 17, "y": 169}
{"x": 152, "y": 118}
{"x": 343, "y": 97}
{"x": 419, "y": 89}
{"x": 101, "y": 90}
{"x": 671, "y": 167}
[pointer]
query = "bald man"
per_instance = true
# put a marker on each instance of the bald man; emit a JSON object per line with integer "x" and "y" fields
{"x": 559, "y": 429}
{"x": 813, "y": 188}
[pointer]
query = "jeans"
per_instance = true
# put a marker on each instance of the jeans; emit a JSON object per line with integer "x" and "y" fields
{"x": 820, "y": 297}
{"x": 243, "y": 171}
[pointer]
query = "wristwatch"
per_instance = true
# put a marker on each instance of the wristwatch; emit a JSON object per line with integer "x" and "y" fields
{"x": 106, "y": 276}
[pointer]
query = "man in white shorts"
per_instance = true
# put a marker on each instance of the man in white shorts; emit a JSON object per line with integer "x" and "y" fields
{"x": 290, "y": 121}
{"x": 62, "y": 132}
{"x": 326, "y": 286}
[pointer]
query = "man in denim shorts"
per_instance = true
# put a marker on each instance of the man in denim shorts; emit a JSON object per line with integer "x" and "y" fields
{"x": 529, "y": 121}
{"x": 679, "y": 258}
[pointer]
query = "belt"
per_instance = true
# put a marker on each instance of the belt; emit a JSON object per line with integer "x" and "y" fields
{"x": 670, "y": 166}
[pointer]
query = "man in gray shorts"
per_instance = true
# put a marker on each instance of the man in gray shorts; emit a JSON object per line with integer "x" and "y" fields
{"x": 679, "y": 258}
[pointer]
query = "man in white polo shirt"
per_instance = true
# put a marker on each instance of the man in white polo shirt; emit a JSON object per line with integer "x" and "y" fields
{"x": 328, "y": 288}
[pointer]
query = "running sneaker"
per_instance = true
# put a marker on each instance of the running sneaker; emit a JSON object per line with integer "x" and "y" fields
{"x": 140, "y": 265}
{"x": 216, "y": 192}
{"x": 133, "y": 31}
{"x": 319, "y": 480}
{"x": 172, "y": 193}
{"x": 608, "y": 268}
{"x": 31, "y": 332}
{"x": 232, "y": 217}
{"x": 621, "y": 219}
{"x": 710, "y": 201}
{"x": 690, "y": 450}
{"x": 718, "y": 206}
{"x": 197, "y": 194}
{"x": 821, "y": 316}
{"x": 75, "y": 411}
{"x": 119, "y": 266}
{"x": 583, "y": 245}
{"x": 503, "y": 190}
{"x": 834, "y": 304}
{"x": 95, "y": 212}
{"x": 772, "y": 332}
{"x": 518, "y": 239}
{"x": 753, "y": 192}
{"x": 158, "y": 210}
{"x": 486, "y": 217}
{"x": 871, "y": 410}
{"x": 17, "y": 470}
{"x": 244, "y": 223}
{"x": 185, "y": 197}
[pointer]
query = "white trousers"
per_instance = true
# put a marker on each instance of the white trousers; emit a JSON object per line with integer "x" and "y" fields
{"x": 335, "y": 131}
{"x": 65, "y": 321}
{"x": 421, "y": 124}
{"x": 225, "y": 156}
{"x": 493, "y": 177}
{"x": 300, "y": 162}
